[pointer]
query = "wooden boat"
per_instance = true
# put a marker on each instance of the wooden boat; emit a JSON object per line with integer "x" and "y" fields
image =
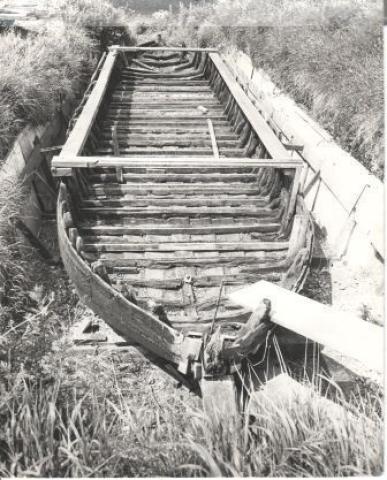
{"x": 175, "y": 192}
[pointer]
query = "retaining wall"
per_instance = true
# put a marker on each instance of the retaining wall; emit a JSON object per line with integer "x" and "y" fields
{"x": 346, "y": 201}
{"x": 25, "y": 163}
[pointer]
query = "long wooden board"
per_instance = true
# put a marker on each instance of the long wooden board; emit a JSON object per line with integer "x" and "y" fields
{"x": 323, "y": 324}
{"x": 180, "y": 161}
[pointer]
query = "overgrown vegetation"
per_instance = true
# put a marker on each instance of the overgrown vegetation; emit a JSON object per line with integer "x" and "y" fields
{"x": 41, "y": 71}
{"x": 327, "y": 55}
{"x": 103, "y": 414}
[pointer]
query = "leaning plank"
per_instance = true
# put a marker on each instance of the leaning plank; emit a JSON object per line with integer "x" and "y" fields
{"x": 166, "y": 161}
{"x": 338, "y": 330}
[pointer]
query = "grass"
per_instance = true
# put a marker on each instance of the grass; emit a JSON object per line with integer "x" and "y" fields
{"x": 327, "y": 55}
{"x": 106, "y": 416}
{"x": 41, "y": 71}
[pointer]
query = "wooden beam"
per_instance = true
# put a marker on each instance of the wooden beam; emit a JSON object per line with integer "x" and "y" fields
{"x": 264, "y": 132}
{"x": 335, "y": 329}
{"x": 118, "y": 48}
{"x": 85, "y": 121}
{"x": 191, "y": 162}
{"x": 185, "y": 246}
{"x": 178, "y": 229}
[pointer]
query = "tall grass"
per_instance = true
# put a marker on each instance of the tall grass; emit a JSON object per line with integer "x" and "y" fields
{"x": 96, "y": 427}
{"x": 40, "y": 71}
{"x": 327, "y": 55}
{"x": 90, "y": 13}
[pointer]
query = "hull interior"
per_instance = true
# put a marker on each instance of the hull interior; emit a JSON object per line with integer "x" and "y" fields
{"x": 175, "y": 234}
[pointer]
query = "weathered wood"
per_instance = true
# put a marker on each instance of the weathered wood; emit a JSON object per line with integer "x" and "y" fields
{"x": 165, "y": 162}
{"x": 160, "y": 49}
{"x": 261, "y": 260}
{"x": 154, "y": 211}
{"x": 84, "y": 123}
{"x": 183, "y": 246}
{"x": 189, "y": 209}
{"x": 321, "y": 323}
{"x": 174, "y": 188}
{"x": 173, "y": 230}
{"x": 197, "y": 201}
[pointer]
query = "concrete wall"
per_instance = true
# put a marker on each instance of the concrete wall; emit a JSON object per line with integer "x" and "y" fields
{"x": 347, "y": 202}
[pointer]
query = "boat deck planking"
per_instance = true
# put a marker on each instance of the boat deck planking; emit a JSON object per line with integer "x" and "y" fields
{"x": 173, "y": 184}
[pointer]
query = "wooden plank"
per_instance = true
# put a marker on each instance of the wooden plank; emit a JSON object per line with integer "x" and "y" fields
{"x": 338, "y": 330}
{"x": 185, "y": 246}
{"x": 160, "y": 212}
{"x": 173, "y": 230}
{"x": 168, "y": 162}
{"x": 200, "y": 281}
{"x": 172, "y": 151}
{"x": 173, "y": 188}
{"x": 264, "y": 132}
{"x": 193, "y": 201}
{"x": 185, "y": 178}
{"x": 84, "y": 123}
{"x": 119, "y": 48}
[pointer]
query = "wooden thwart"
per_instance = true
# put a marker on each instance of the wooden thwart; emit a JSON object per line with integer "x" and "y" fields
{"x": 180, "y": 161}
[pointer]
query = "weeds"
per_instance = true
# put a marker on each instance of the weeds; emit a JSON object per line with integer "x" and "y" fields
{"x": 95, "y": 423}
{"x": 327, "y": 55}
